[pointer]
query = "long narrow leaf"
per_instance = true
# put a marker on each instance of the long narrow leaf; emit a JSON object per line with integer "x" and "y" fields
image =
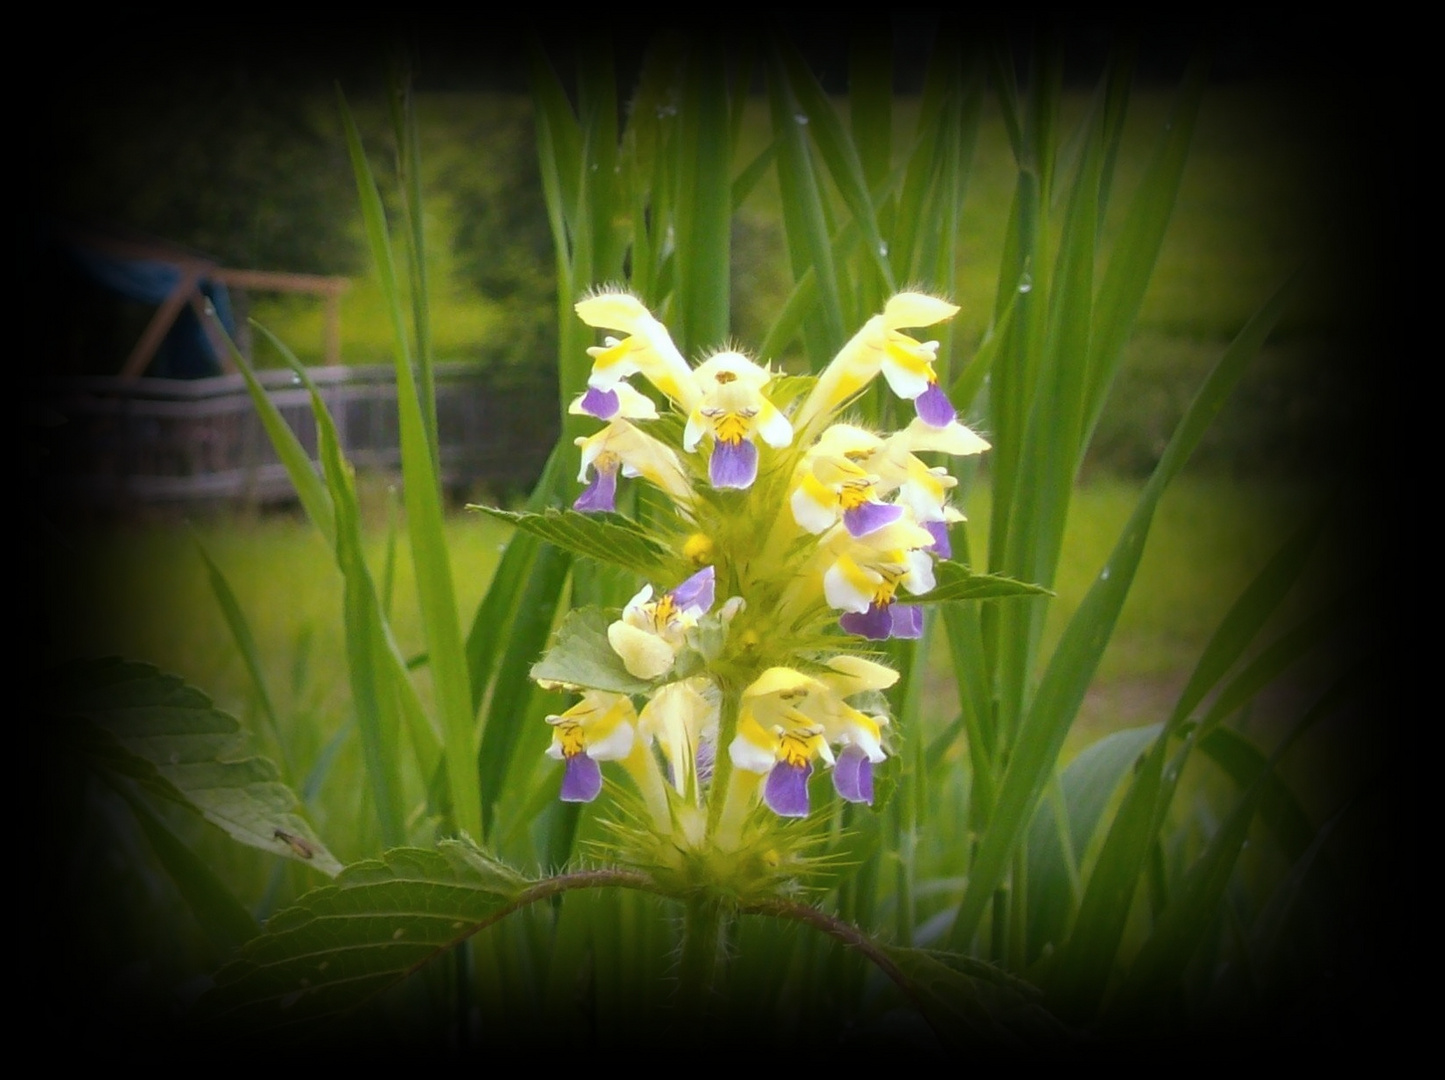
{"x": 1072, "y": 666}
{"x": 240, "y": 628}
{"x": 422, "y": 491}
{"x": 299, "y": 467}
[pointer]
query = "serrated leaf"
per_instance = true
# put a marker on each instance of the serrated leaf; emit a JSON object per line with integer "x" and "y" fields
{"x": 608, "y": 538}
{"x": 156, "y": 729}
{"x": 342, "y": 944}
{"x": 582, "y": 656}
{"x": 954, "y": 581}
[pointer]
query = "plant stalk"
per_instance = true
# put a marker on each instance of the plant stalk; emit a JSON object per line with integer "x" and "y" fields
{"x": 702, "y": 929}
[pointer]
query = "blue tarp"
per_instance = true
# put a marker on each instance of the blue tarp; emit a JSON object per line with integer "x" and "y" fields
{"x": 186, "y": 352}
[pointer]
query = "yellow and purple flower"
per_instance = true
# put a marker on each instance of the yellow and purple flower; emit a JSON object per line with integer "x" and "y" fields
{"x": 881, "y": 346}
{"x": 789, "y": 719}
{"x": 863, "y": 581}
{"x": 600, "y": 727}
{"x": 733, "y": 410}
{"x": 651, "y": 632}
{"x": 620, "y": 447}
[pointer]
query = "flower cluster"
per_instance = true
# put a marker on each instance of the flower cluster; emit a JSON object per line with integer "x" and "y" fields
{"x": 808, "y": 524}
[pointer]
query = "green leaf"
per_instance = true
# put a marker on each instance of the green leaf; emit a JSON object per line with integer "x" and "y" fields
{"x": 223, "y": 918}
{"x": 340, "y": 945}
{"x": 582, "y": 656}
{"x": 525, "y": 638}
{"x": 608, "y": 538}
{"x": 1085, "y": 788}
{"x": 156, "y": 729}
{"x": 954, "y": 581}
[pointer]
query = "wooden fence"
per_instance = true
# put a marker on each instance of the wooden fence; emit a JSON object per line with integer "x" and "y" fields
{"x": 127, "y": 442}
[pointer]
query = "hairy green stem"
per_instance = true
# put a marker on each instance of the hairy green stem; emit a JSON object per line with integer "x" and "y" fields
{"x": 702, "y": 928}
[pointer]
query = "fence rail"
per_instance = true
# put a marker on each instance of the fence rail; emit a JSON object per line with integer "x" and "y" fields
{"x": 137, "y": 441}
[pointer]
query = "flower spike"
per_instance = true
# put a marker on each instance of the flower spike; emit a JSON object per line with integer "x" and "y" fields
{"x": 741, "y": 704}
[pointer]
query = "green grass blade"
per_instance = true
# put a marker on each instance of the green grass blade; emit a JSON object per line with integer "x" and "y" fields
{"x": 1279, "y": 809}
{"x": 1136, "y": 250}
{"x": 372, "y": 698}
{"x": 1086, "y": 787}
{"x": 841, "y": 158}
{"x": 1076, "y": 658}
{"x": 704, "y": 203}
{"x": 789, "y": 323}
{"x": 494, "y": 612}
{"x": 240, "y": 628}
{"x": 756, "y": 169}
{"x": 1085, "y": 963}
{"x": 1181, "y": 927}
{"x": 1245, "y": 617}
{"x": 408, "y": 156}
{"x": 1005, "y": 86}
{"x": 309, "y": 487}
{"x": 559, "y": 144}
{"x": 422, "y": 494}
{"x": 804, "y": 217}
{"x": 384, "y": 684}
{"x": 870, "y": 103}
{"x": 526, "y": 639}
{"x": 559, "y": 161}
{"x": 971, "y": 379}
{"x": 940, "y": 87}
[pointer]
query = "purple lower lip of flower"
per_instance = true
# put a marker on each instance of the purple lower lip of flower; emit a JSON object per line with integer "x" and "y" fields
{"x": 875, "y": 624}
{"x": 733, "y": 464}
{"x": 600, "y": 495}
{"x": 600, "y": 403}
{"x": 883, "y": 621}
{"x": 869, "y": 517}
{"x": 934, "y": 408}
{"x": 853, "y": 775}
{"x": 786, "y": 791}
{"x": 907, "y": 621}
{"x": 582, "y": 782}
{"x": 942, "y": 546}
{"x": 696, "y": 591}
